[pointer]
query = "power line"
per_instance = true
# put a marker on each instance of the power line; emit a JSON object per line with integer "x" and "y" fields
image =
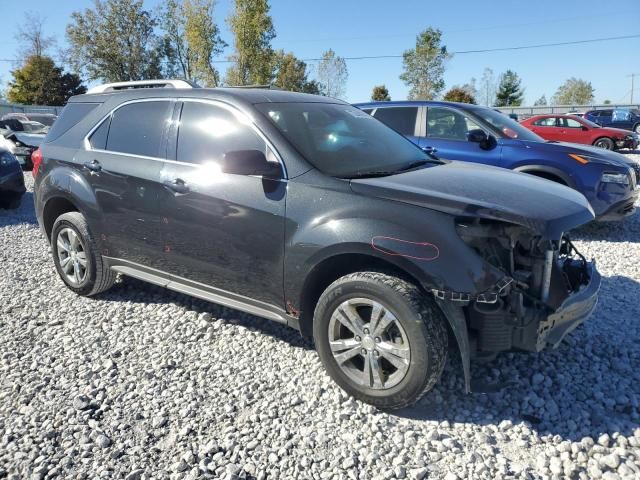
{"x": 460, "y": 52}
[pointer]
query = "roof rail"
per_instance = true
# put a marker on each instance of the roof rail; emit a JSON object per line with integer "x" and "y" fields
{"x": 265, "y": 87}
{"x": 117, "y": 86}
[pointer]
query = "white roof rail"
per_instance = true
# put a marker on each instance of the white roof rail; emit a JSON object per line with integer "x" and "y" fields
{"x": 114, "y": 87}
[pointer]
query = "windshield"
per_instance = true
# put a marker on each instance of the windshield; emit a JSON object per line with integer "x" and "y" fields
{"x": 589, "y": 123}
{"x": 341, "y": 140}
{"x": 507, "y": 127}
{"x": 34, "y": 127}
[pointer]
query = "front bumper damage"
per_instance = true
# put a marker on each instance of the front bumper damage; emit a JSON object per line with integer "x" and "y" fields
{"x": 548, "y": 289}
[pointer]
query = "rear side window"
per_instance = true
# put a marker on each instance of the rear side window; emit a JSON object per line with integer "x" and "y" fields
{"x": 98, "y": 139}
{"x": 138, "y": 128}
{"x": 401, "y": 119}
{"x": 545, "y": 122}
{"x": 70, "y": 116}
{"x": 207, "y": 132}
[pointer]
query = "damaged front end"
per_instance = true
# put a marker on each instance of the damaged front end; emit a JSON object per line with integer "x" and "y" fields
{"x": 548, "y": 289}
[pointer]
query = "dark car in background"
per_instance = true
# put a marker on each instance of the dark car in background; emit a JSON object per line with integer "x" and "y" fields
{"x": 573, "y": 129}
{"x": 12, "y": 186}
{"x": 21, "y": 143}
{"x": 307, "y": 211}
{"x": 472, "y": 133}
{"x": 627, "y": 119}
{"x": 46, "y": 119}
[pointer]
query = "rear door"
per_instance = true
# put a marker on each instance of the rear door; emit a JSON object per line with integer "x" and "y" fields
{"x": 123, "y": 163}
{"x": 404, "y": 120}
{"x": 547, "y": 128}
{"x": 446, "y": 133}
{"x": 222, "y": 230}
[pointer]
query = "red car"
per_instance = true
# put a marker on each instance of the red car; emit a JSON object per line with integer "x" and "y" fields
{"x": 574, "y": 129}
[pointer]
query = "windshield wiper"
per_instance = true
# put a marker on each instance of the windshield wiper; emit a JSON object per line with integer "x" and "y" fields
{"x": 386, "y": 173}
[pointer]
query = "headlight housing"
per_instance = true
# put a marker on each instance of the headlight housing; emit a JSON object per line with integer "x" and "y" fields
{"x": 619, "y": 178}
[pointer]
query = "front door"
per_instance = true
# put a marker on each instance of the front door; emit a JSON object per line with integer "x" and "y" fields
{"x": 446, "y": 132}
{"x": 571, "y": 130}
{"x": 123, "y": 163}
{"x": 222, "y": 230}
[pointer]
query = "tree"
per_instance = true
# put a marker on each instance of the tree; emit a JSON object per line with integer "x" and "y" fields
{"x": 31, "y": 38}
{"x": 252, "y": 31}
{"x": 424, "y": 66}
{"x": 380, "y": 93}
{"x": 39, "y": 81}
{"x": 191, "y": 41}
{"x": 114, "y": 42}
{"x": 574, "y": 92}
{"x": 607, "y": 102}
{"x": 333, "y": 75}
{"x": 459, "y": 94}
{"x": 291, "y": 74}
{"x": 487, "y": 87}
{"x": 541, "y": 102}
{"x": 510, "y": 91}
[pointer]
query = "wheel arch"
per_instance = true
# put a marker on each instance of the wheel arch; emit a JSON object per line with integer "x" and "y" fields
{"x": 53, "y": 208}
{"x": 547, "y": 172}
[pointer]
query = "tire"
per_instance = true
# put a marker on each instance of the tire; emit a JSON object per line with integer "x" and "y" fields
{"x": 416, "y": 329}
{"x": 636, "y": 128}
{"x": 605, "y": 143}
{"x": 94, "y": 277}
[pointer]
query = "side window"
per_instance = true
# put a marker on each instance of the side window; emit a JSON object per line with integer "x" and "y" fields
{"x": 401, "y": 119}
{"x": 367, "y": 110}
{"x": 207, "y": 132}
{"x": 571, "y": 123}
{"x": 98, "y": 139}
{"x": 545, "y": 122}
{"x": 448, "y": 124}
{"x": 138, "y": 128}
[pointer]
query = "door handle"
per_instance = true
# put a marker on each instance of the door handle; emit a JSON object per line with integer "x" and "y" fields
{"x": 429, "y": 149}
{"x": 93, "y": 165}
{"x": 178, "y": 185}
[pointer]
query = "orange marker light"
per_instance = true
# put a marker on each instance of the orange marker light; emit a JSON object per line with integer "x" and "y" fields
{"x": 578, "y": 158}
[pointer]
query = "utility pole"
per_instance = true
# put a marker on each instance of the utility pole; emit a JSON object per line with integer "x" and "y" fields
{"x": 632, "y": 84}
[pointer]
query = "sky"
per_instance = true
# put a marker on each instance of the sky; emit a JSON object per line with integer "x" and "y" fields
{"x": 375, "y": 27}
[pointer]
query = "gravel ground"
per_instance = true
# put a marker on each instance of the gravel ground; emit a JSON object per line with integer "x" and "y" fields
{"x": 142, "y": 382}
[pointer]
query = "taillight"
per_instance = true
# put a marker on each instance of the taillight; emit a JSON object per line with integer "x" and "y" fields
{"x": 36, "y": 159}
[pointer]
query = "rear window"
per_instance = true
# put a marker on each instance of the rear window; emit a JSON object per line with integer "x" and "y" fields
{"x": 138, "y": 128}
{"x": 70, "y": 116}
{"x": 401, "y": 119}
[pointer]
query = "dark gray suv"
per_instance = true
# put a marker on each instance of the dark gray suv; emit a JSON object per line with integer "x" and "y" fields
{"x": 307, "y": 211}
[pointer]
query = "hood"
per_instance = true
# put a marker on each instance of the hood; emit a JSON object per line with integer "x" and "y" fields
{"x": 29, "y": 139}
{"x": 619, "y": 132}
{"x": 595, "y": 154}
{"x": 472, "y": 190}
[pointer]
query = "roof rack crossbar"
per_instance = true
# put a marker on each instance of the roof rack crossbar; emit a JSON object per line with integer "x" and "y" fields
{"x": 117, "y": 86}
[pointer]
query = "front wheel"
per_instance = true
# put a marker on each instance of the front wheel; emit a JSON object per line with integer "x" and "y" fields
{"x": 380, "y": 338}
{"x": 605, "y": 143}
{"x": 636, "y": 128}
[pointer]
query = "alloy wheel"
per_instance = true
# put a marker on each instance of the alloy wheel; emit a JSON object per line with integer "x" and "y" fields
{"x": 72, "y": 256}
{"x": 369, "y": 344}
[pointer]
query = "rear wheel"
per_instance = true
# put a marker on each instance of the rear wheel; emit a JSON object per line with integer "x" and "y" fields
{"x": 636, "y": 128}
{"x": 76, "y": 256}
{"x": 380, "y": 338}
{"x": 604, "y": 142}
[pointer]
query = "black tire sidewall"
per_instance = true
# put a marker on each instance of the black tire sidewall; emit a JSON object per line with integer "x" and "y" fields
{"x": 87, "y": 285}
{"x": 413, "y": 383}
{"x": 607, "y": 140}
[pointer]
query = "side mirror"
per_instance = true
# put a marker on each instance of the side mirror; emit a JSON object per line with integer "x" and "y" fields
{"x": 479, "y": 136}
{"x": 584, "y": 128}
{"x": 250, "y": 162}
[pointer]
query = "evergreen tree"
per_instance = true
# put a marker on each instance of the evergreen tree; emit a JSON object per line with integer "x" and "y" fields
{"x": 510, "y": 91}
{"x": 380, "y": 93}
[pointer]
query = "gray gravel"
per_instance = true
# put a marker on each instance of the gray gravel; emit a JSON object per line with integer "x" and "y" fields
{"x": 143, "y": 383}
